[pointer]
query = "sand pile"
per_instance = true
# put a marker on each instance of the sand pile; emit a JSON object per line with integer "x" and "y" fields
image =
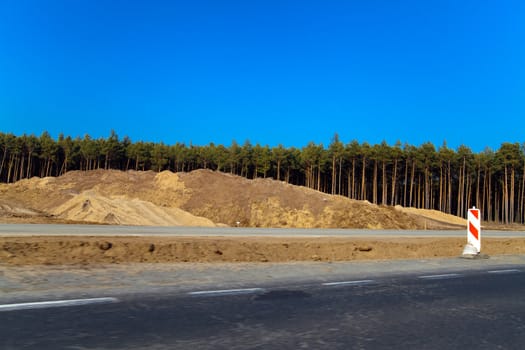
{"x": 103, "y": 197}
{"x": 120, "y": 210}
{"x": 198, "y": 198}
{"x": 434, "y": 215}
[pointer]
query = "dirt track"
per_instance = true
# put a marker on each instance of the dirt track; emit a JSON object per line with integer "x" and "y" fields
{"x": 101, "y": 250}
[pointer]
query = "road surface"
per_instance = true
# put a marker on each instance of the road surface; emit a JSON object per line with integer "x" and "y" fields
{"x": 482, "y": 308}
{"x": 417, "y": 304}
{"x": 105, "y": 230}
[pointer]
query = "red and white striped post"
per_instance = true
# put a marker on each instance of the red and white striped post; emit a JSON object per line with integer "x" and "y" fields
{"x": 474, "y": 228}
{"x": 473, "y": 246}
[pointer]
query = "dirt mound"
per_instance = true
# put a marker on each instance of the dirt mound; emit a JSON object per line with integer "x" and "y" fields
{"x": 198, "y": 198}
{"x": 90, "y": 207}
{"x": 238, "y": 201}
{"x": 434, "y": 215}
{"x": 103, "y": 197}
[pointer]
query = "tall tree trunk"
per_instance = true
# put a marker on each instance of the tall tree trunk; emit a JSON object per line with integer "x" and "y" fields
{"x": 308, "y": 177}
{"x": 468, "y": 196}
{"x": 405, "y": 184}
{"x": 418, "y": 191}
{"x": 374, "y": 184}
{"x": 384, "y": 190}
{"x": 10, "y": 167}
{"x": 497, "y": 205}
{"x": 334, "y": 172}
{"x": 393, "y": 196}
{"x": 483, "y": 190}
{"x": 354, "y": 194}
{"x": 48, "y": 167}
{"x": 522, "y": 201}
{"x": 412, "y": 176}
{"x": 29, "y": 165}
{"x": 63, "y": 169}
{"x": 21, "y": 168}
{"x": 448, "y": 189}
{"x": 319, "y": 177}
{"x": 489, "y": 197}
{"x": 478, "y": 187}
{"x": 349, "y": 182}
{"x": 441, "y": 183}
{"x": 15, "y": 170}
{"x": 461, "y": 190}
{"x": 427, "y": 189}
{"x": 432, "y": 204}
{"x": 2, "y": 163}
{"x": 505, "y": 199}
{"x": 339, "y": 190}
{"x": 512, "y": 195}
{"x": 363, "y": 180}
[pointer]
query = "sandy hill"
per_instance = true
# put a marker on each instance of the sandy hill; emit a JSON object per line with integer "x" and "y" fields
{"x": 198, "y": 198}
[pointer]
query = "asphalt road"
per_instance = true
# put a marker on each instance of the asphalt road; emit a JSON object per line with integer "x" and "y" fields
{"x": 430, "y": 304}
{"x": 461, "y": 309}
{"x": 105, "y": 230}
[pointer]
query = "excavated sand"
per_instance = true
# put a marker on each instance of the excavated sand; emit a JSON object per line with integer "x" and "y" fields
{"x": 434, "y": 215}
{"x": 198, "y": 198}
{"x": 91, "y": 207}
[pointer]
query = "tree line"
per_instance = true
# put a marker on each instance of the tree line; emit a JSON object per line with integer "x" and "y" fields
{"x": 425, "y": 177}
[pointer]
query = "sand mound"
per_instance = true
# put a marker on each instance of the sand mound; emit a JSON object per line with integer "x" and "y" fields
{"x": 434, "y": 215}
{"x": 102, "y": 197}
{"x": 233, "y": 200}
{"x": 90, "y": 207}
{"x": 198, "y": 198}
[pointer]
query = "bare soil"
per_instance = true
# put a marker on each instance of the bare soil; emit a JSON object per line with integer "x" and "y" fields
{"x": 208, "y": 198}
{"x": 102, "y": 250}
{"x": 198, "y": 198}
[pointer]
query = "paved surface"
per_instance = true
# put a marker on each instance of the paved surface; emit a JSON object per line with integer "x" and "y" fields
{"x": 434, "y": 304}
{"x": 105, "y": 230}
{"x": 414, "y": 304}
{"x": 29, "y": 283}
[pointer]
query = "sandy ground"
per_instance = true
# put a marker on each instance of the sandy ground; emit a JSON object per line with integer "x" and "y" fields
{"x": 103, "y": 250}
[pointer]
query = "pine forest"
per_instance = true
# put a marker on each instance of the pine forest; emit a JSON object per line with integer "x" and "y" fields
{"x": 424, "y": 177}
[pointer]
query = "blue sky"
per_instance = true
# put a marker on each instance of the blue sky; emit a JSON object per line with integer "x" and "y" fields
{"x": 271, "y": 72}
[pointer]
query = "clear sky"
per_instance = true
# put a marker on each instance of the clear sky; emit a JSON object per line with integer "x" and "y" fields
{"x": 271, "y": 72}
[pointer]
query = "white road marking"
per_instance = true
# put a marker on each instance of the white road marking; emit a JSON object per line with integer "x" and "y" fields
{"x": 226, "y": 292}
{"x": 504, "y": 271}
{"x": 56, "y": 303}
{"x": 440, "y": 277}
{"x": 346, "y": 283}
